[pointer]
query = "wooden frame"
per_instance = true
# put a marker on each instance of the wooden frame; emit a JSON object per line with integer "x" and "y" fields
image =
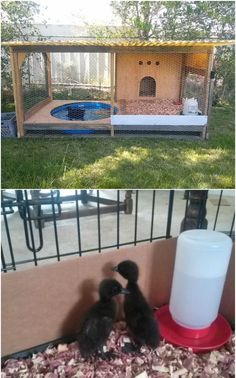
{"x": 47, "y": 57}
{"x": 17, "y": 58}
{"x": 16, "y": 62}
{"x": 183, "y": 76}
{"x": 18, "y": 52}
{"x": 208, "y": 82}
{"x": 113, "y": 70}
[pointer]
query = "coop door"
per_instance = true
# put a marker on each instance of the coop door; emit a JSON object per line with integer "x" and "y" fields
{"x": 147, "y": 87}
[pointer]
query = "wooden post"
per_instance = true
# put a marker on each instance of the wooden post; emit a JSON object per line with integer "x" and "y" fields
{"x": 207, "y": 83}
{"x": 182, "y": 77}
{"x": 16, "y": 62}
{"x": 112, "y": 88}
{"x": 47, "y": 57}
{"x": 211, "y": 86}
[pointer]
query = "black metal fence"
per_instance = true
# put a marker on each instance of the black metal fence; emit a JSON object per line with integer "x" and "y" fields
{"x": 33, "y": 231}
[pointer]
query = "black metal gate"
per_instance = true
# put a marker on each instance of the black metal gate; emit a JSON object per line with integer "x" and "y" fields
{"x": 36, "y": 208}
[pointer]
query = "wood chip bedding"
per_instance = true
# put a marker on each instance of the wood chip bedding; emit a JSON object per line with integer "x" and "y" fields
{"x": 64, "y": 361}
{"x": 157, "y": 106}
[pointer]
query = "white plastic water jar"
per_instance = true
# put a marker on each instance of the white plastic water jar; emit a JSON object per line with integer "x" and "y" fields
{"x": 201, "y": 264}
{"x": 190, "y": 106}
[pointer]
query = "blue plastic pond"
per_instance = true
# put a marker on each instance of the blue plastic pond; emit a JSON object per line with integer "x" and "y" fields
{"x": 83, "y": 111}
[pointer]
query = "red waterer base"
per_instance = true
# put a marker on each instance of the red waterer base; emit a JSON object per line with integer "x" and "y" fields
{"x": 199, "y": 340}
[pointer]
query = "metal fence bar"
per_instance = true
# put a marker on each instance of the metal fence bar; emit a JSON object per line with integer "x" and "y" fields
{"x": 136, "y": 218}
{"x": 99, "y": 224}
{"x": 170, "y": 211}
{"x": 78, "y": 221}
{"x": 55, "y": 227}
{"x": 9, "y": 239}
{"x": 4, "y": 269}
{"x": 218, "y": 209}
{"x": 31, "y": 229}
{"x": 152, "y": 218}
{"x": 85, "y": 251}
{"x": 118, "y": 219}
{"x": 9, "y": 263}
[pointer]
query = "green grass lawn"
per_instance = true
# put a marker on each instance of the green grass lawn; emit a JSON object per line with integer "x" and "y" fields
{"x": 124, "y": 162}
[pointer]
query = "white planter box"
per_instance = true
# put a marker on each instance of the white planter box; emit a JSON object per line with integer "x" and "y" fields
{"x": 159, "y": 120}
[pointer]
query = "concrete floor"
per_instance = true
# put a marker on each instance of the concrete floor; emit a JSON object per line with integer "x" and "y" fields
{"x": 67, "y": 229}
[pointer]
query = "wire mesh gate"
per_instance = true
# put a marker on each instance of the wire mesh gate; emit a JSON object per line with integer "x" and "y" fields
{"x": 41, "y": 226}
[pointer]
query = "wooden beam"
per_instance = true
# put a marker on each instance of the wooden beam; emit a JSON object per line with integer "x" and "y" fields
{"x": 207, "y": 83}
{"x": 211, "y": 87}
{"x": 115, "y": 78}
{"x": 108, "y": 49}
{"x": 112, "y": 73}
{"x": 182, "y": 77}
{"x": 47, "y": 57}
{"x": 16, "y": 62}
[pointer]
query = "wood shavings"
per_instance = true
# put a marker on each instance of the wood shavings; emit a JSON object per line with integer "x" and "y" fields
{"x": 166, "y": 361}
{"x": 153, "y": 106}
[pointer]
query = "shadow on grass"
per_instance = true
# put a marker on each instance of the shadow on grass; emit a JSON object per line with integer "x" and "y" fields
{"x": 124, "y": 162}
{"x": 141, "y": 167}
{"x": 118, "y": 163}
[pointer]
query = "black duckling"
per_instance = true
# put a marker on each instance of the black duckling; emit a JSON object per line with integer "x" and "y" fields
{"x": 138, "y": 314}
{"x": 98, "y": 321}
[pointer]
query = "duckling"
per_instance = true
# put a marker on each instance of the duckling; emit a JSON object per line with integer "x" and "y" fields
{"x": 138, "y": 314}
{"x": 98, "y": 321}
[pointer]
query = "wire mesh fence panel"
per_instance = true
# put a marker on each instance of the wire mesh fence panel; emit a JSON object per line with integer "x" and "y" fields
{"x": 148, "y": 83}
{"x": 81, "y": 97}
{"x": 164, "y": 94}
{"x": 81, "y": 76}
{"x": 34, "y": 80}
{"x": 158, "y": 91}
{"x": 194, "y": 88}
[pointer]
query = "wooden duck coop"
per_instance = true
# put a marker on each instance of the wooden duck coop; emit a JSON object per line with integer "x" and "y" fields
{"x": 118, "y": 87}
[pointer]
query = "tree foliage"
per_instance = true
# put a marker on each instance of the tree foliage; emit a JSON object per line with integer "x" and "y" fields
{"x": 17, "y": 24}
{"x": 180, "y": 20}
{"x": 140, "y": 16}
{"x": 198, "y": 20}
{"x": 168, "y": 20}
{"x": 18, "y": 20}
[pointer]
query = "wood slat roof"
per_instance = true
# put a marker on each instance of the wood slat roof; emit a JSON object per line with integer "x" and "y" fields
{"x": 119, "y": 43}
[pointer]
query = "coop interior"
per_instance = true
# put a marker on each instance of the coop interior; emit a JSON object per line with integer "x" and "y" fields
{"x": 57, "y": 246}
{"x": 78, "y": 97}
{"x": 158, "y": 83}
{"x": 145, "y": 84}
{"x": 113, "y": 88}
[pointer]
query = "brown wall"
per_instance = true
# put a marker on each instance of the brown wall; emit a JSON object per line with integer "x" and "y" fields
{"x": 167, "y": 74}
{"x": 129, "y": 73}
{"x": 46, "y": 302}
{"x": 197, "y": 61}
